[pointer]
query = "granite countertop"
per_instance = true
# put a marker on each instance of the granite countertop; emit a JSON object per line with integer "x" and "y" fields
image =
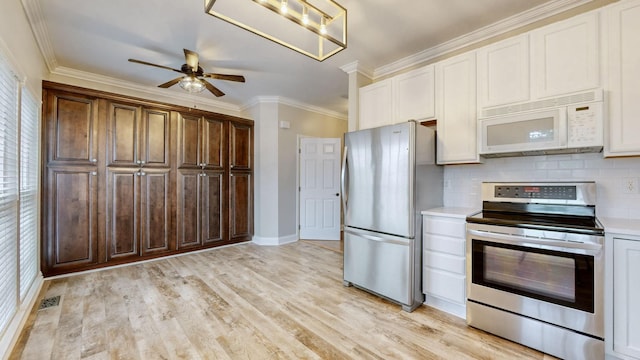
{"x": 457, "y": 212}
{"x": 621, "y": 226}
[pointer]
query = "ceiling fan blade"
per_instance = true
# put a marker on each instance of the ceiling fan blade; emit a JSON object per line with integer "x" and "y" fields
{"x": 156, "y": 65}
{"x": 236, "y": 78}
{"x": 170, "y": 83}
{"x": 191, "y": 58}
{"x": 214, "y": 90}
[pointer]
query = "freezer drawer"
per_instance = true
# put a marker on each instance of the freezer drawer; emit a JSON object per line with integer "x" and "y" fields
{"x": 382, "y": 264}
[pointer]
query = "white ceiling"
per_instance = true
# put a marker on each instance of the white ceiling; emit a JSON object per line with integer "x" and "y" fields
{"x": 99, "y": 36}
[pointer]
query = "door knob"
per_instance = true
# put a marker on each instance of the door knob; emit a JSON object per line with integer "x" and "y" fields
{"x": 337, "y": 194}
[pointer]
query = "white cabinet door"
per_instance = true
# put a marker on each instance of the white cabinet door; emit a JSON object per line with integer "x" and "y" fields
{"x": 621, "y": 134}
{"x": 376, "y": 105}
{"x": 413, "y": 95}
{"x": 456, "y": 110}
{"x": 626, "y": 297}
{"x": 503, "y": 72}
{"x": 566, "y": 56}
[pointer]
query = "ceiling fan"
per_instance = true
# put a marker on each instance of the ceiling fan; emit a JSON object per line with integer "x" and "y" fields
{"x": 194, "y": 78}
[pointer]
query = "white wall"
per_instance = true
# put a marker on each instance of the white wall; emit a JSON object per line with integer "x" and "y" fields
{"x": 462, "y": 182}
{"x": 303, "y": 123}
{"x": 275, "y": 201}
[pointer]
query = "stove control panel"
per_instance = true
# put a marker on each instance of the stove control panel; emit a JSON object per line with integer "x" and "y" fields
{"x": 553, "y": 192}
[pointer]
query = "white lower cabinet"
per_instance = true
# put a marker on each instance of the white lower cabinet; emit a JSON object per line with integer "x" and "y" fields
{"x": 623, "y": 295}
{"x": 443, "y": 262}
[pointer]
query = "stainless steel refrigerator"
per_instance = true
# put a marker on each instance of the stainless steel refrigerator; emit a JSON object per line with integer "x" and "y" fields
{"x": 388, "y": 177}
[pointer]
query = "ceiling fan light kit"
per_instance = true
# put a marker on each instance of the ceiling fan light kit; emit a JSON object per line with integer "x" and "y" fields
{"x": 316, "y": 28}
{"x": 192, "y": 84}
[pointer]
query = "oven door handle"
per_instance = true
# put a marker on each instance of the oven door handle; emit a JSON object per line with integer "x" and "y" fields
{"x": 522, "y": 240}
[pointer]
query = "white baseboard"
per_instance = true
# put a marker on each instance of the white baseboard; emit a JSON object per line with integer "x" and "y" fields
{"x": 10, "y": 337}
{"x": 450, "y": 307}
{"x": 275, "y": 241}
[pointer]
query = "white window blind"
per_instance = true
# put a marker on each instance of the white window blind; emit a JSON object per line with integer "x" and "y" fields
{"x": 8, "y": 193}
{"x": 28, "y": 191}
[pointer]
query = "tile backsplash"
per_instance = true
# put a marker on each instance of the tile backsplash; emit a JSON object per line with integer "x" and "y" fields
{"x": 617, "y": 179}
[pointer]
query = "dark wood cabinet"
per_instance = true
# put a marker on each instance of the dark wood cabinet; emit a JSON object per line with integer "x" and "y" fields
{"x": 156, "y": 198}
{"x": 213, "y": 212}
{"x": 71, "y": 128}
{"x": 71, "y": 209}
{"x": 129, "y": 179}
{"x": 240, "y": 206}
{"x": 137, "y": 136}
{"x": 202, "y": 142}
{"x": 241, "y": 146}
{"x": 201, "y": 210}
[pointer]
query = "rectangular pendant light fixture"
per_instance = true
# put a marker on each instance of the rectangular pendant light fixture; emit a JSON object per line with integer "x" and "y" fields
{"x": 316, "y": 28}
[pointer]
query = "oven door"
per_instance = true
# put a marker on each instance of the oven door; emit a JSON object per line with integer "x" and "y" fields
{"x": 554, "y": 277}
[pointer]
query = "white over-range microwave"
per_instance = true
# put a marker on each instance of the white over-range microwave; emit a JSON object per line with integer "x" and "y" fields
{"x": 557, "y": 129}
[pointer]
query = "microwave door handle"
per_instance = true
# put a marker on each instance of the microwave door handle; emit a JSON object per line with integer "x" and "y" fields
{"x": 520, "y": 240}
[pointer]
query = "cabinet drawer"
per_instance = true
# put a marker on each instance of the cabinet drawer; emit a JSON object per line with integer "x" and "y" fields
{"x": 444, "y": 226}
{"x": 445, "y": 244}
{"x": 445, "y": 285}
{"x": 439, "y": 261}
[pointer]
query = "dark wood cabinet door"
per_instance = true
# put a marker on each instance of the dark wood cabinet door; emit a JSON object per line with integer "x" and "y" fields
{"x": 122, "y": 224}
{"x": 155, "y": 142}
{"x": 240, "y": 207}
{"x": 188, "y": 196}
{"x": 155, "y": 210}
{"x": 213, "y": 143}
{"x": 123, "y": 131}
{"x": 71, "y": 129}
{"x": 240, "y": 146}
{"x": 212, "y": 207}
{"x": 189, "y": 141}
{"x": 70, "y": 233}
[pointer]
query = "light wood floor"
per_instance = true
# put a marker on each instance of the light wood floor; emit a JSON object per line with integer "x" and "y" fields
{"x": 243, "y": 302}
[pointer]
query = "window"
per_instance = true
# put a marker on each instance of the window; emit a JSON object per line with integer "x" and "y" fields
{"x": 19, "y": 195}
{"x": 9, "y": 87}
{"x": 28, "y": 191}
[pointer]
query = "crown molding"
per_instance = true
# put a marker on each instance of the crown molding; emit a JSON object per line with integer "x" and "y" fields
{"x": 39, "y": 28}
{"x": 197, "y": 101}
{"x": 293, "y": 103}
{"x": 498, "y": 28}
{"x": 356, "y": 66}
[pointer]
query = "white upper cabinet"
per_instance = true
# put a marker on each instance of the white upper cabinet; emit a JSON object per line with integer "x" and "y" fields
{"x": 621, "y": 134}
{"x": 413, "y": 95}
{"x": 456, "y": 110}
{"x": 376, "y": 107}
{"x": 566, "y": 56}
{"x": 408, "y": 96}
{"x": 503, "y": 72}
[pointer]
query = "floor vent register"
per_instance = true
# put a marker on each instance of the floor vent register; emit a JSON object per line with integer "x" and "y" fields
{"x": 49, "y": 302}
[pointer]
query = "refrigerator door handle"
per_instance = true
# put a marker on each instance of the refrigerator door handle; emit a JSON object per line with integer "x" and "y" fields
{"x": 389, "y": 239}
{"x": 343, "y": 178}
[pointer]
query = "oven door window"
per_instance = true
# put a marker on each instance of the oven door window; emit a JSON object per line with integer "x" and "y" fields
{"x": 554, "y": 276}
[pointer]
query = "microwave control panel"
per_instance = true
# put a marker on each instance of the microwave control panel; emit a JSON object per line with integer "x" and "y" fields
{"x": 585, "y": 125}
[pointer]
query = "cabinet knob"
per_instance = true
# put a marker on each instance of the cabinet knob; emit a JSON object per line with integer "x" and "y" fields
{"x": 139, "y": 162}
{"x": 94, "y": 160}
{"x": 143, "y": 173}
{"x": 231, "y": 175}
{"x": 94, "y": 173}
{"x": 231, "y": 165}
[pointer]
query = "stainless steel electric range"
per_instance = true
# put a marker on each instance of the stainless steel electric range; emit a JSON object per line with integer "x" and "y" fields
{"x": 535, "y": 267}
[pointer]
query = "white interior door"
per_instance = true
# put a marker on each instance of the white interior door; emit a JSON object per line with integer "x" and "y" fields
{"x": 320, "y": 188}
